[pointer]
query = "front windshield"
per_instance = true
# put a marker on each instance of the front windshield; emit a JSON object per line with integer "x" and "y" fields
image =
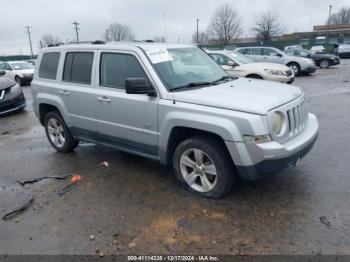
{"x": 21, "y": 66}
{"x": 180, "y": 67}
{"x": 241, "y": 59}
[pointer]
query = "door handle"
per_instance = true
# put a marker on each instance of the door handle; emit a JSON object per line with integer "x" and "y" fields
{"x": 64, "y": 92}
{"x": 104, "y": 99}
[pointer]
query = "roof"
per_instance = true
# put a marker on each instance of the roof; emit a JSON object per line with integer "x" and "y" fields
{"x": 117, "y": 45}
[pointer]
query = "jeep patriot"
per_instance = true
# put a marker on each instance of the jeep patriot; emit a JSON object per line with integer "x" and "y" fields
{"x": 174, "y": 104}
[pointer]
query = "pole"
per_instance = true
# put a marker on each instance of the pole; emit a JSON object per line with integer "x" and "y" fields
{"x": 75, "y": 23}
{"x": 107, "y": 34}
{"x": 30, "y": 41}
{"x": 197, "y": 32}
{"x": 329, "y": 21}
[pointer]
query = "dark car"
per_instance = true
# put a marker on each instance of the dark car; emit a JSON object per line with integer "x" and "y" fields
{"x": 11, "y": 95}
{"x": 321, "y": 60}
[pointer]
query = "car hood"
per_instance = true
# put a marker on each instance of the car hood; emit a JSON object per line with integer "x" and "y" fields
{"x": 242, "y": 94}
{"x": 324, "y": 56}
{"x": 6, "y": 82}
{"x": 262, "y": 66}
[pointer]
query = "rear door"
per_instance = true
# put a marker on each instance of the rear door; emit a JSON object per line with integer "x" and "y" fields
{"x": 128, "y": 121}
{"x": 75, "y": 89}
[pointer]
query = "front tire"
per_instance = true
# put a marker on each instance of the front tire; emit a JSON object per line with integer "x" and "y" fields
{"x": 58, "y": 133}
{"x": 203, "y": 166}
{"x": 324, "y": 64}
{"x": 295, "y": 67}
{"x": 19, "y": 80}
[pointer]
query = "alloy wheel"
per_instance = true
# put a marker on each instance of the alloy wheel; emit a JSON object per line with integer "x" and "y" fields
{"x": 56, "y": 132}
{"x": 198, "y": 170}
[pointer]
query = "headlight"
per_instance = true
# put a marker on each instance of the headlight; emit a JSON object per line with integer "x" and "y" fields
{"x": 277, "y": 123}
{"x": 275, "y": 72}
{"x": 309, "y": 61}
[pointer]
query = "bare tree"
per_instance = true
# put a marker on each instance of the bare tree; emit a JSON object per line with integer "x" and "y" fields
{"x": 267, "y": 26}
{"x": 225, "y": 24}
{"x": 202, "y": 38}
{"x": 119, "y": 32}
{"x": 158, "y": 39}
{"x": 49, "y": 40}
{"x": 342, "y": 17}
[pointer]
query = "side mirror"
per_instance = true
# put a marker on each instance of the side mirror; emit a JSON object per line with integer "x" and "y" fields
{"x": 309, "y": 55}
{"x": 231, "y": 63}
{"x": 279, "y": 55}
{"x": 138, "y": 85}
{"x": 2, "y": 72}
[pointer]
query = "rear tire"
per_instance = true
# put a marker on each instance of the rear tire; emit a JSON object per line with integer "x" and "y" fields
{"x": 295, "y": 67}
{"x": 58, "y": 133}
{"x": 203, "y": 166}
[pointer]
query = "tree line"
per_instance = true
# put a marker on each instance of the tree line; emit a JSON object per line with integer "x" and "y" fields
{"x": 224, "y": 26}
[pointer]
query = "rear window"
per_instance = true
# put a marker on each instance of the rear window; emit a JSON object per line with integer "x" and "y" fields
{"x": 78, "y": 67}
{"x": 48, "y": 65}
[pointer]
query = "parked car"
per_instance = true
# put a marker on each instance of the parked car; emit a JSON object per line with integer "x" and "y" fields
{"x": 292, "y": 47}
{"x": 11, "y": 95}
{"x": 174, "y": 104}
{"x": 240, "y": 65}
{"x": 318, "y": 49}
{"x": 343, "y": 51}
{"x": 273, "y": 55}
{"x": 321, "y": 60}
{"x": 19, "y": 71}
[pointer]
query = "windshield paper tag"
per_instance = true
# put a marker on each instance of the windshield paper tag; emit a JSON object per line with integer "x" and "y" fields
{"x": 159, "y": 55}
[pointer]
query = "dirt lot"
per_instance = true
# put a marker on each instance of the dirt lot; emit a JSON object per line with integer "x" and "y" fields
{"x": 134, "y": 205}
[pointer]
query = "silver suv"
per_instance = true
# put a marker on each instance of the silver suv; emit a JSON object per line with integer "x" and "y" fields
{"x": 173, "y": 104}
{"x": 273, "y": 55}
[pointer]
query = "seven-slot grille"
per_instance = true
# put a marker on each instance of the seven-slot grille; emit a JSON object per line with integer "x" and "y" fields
{"x": 297, "y": 118}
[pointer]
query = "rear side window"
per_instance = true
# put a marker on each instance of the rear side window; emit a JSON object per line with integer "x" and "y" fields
{"x": 48, "y": 65}
{"x": 78, "y": 67}
{"x": 116, "y": 68}
{"x": 253, "y": 51}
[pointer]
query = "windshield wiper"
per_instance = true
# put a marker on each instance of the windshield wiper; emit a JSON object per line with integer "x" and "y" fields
{"x": 223, "y": 78}
{"x": 193, "y": 84}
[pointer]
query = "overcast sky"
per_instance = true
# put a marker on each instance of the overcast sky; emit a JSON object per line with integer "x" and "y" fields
{"x": 144, "y": 17}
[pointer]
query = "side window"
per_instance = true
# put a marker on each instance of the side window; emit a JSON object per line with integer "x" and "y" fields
{"x": 220, "y": 59}
{"x": 270, "y": 52}
{"x": 8, "y": 67}
{"x": 2, "y": 66}
{"x": 48, "y": 65}
{"x": 253, "y": 51}
{"x": 116, "y": 68}
{"x": 78, "y": 67}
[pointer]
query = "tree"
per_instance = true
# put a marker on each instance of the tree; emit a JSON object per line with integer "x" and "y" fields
{"x": 225, "y": 24}
{"x": 267, "y": 26}
{"x": 342, "y": 17}
{"x": 49, "y": 40}
{"x": 119, "y": 32}
{"x": 158, "y": 39}
{"x": 202, "y": 38}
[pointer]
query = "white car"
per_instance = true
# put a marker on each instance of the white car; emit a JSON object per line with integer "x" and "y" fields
{"x": 317, "y": 49}
{"x": 19, "y": 71}
{"x": 240, "y": 65}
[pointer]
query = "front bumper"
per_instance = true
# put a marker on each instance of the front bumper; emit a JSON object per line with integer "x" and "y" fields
{"x": 308, "y": 69}
{"x": 12, "y": 105}
{"x": 280, "y": 79}
{"x": 27, "y": 79}
{"x": 254, "y": 161}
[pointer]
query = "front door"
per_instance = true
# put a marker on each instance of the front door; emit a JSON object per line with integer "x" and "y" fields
{"x": 128, "y": 121}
